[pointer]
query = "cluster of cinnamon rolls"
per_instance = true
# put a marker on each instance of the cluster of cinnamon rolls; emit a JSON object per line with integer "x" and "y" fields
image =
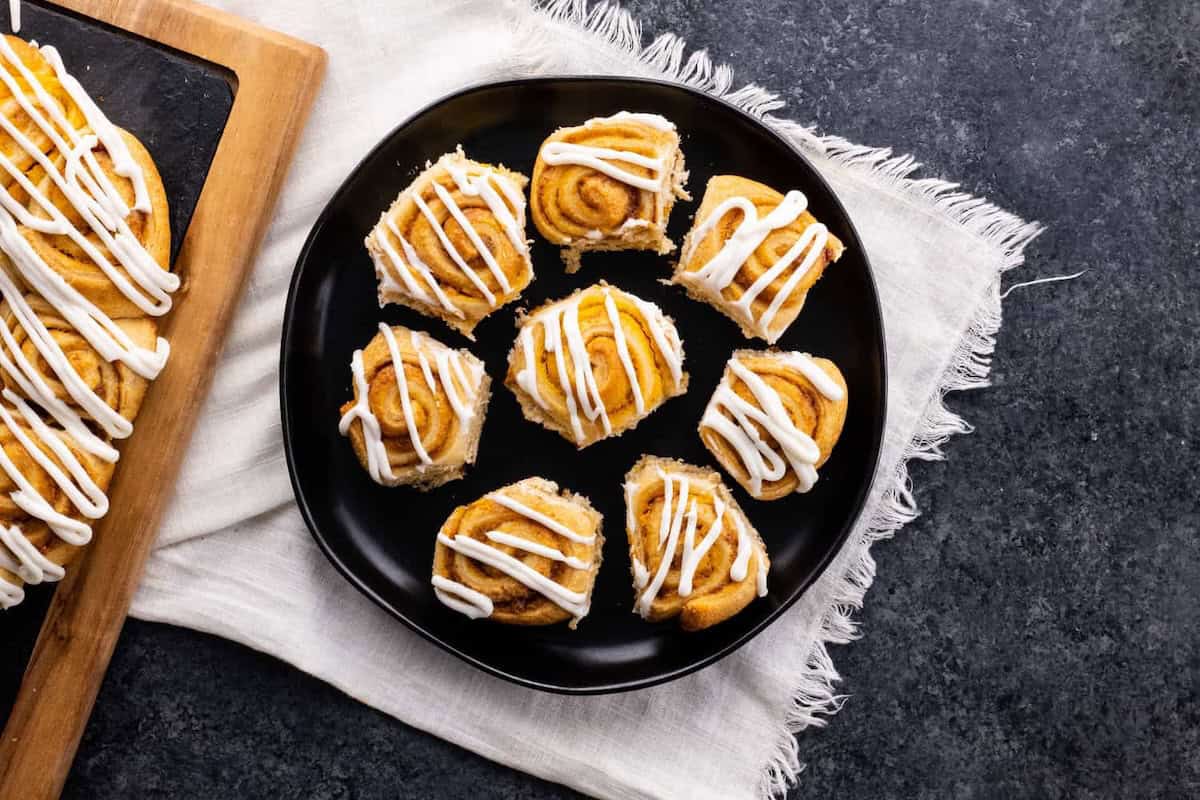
{"x": 592, "y": 365}
{"x": 84, "y": 247}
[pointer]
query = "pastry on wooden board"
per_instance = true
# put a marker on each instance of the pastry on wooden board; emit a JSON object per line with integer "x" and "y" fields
{"x": 84, "y": 247}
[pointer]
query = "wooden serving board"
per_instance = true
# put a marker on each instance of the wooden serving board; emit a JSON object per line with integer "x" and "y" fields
{"x": 276, "y": 81}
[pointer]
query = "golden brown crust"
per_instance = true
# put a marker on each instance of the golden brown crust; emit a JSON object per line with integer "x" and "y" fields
{"x": 715, "y": 595}
{"x": 30, "y": 544}
{"x": 449, "y": 443}
{"x": 515, "y": 603}
{"x": 582, "y": 209}
{"x": 35, "y": 530}
{"x": 428, "y": 242}
{"x": 37, "y": 64}
{"x": 696, "y": 253}
{"x": 68, "y": 259}
{"x": 655, "y": 379}
{"x": 809, "y": 410}
{"x": 119, "y": 386}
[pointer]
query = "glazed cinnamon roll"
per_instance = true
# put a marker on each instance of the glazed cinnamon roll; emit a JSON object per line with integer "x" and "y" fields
{"x": 418, "y": 408}
{"x": 50, "y": 492}
{"x": 31, "y": 63}
{"x": 84, "y": 248}
{"x": 121, "y": 271}
{"x": 608, "y": 184}
{"x": 526, "y": 554}
{"x": 694, "y": 553}
{"x": 79, "y": 374}
{"x": 774, "y": 419}
{"x": 754, "y": 253}
{"x": 595, "y": 364}
{"x": 453, "y": 244}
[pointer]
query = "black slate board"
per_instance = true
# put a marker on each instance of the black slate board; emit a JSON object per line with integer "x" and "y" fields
{"x": 383, "y": 539}
{"x": 177, "y": 106}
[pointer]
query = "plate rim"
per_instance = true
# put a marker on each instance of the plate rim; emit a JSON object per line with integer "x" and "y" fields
{"x": 613, "y": 687}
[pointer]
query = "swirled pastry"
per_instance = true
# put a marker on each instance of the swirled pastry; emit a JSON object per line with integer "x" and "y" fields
{"x": 111, "y": 385}
{"x": 50, "y": 493}
{"x": 608, "y": 184}
{"x": 453, "y": 245}
{"x": 774, "y": 419}
{"x": 418, "y": 408}
{"x": 694, "y": 553}
{"x": 595, "y": 364}
{"x": 526, "y": 554}
{"x": 84, "y": 246}
{"x": 33, "y": 67}
{"x": 754, "y": 253}
{"x": 136, "y": 285}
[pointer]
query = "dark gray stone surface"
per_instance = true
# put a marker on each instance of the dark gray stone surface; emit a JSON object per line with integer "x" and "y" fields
{"x": 1035, "y": 633}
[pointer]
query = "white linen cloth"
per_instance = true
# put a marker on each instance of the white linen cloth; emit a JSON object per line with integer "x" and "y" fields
{"x": 235, "y": 559}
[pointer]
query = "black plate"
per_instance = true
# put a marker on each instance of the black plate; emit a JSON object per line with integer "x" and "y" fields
{"x": 177, "y": 105}
{"x": 382, "y": 539}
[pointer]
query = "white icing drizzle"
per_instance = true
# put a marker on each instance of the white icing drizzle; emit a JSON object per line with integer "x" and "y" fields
{"x": 671, "y": 530}
{"x": 449, "y": 370}
{"x": 693, "y": 554}
{"x": 601, "y": 158}
{"x": 80, "y": 489}
{"x": 630, "y": 488}
{"x": 560, "y": 323}
{"x": 574, "y": 602}
{"x": 378, "y": 466}
{"x": 96, "y": 201}
{"x": 34, "y": 386}
{"x": 818, "y": 377}
{"x": 741, "y": 562}
{"x": 541, "y": 519}
{"x": 10, "y": 593}
{"x": 614, "y": 317}
{"x": 85, "y": 185}
{"x": 30, "y": 564}
{"x": 762, "y": 578}
{"x": 719, "y": 272}
{"x": 14, "y": 16}
{"x": 641, "y": 576}
{"x": 653, "y": 120}
{"x": 410, "y": 422}
{"x": 551, "y": 553}
{"x": 672, "y": 522}
{"x": 462, "y": 599}
{"x": 72, "y": 168}
{"x": 762, "y": 461}
{"x": 500, "y": 203}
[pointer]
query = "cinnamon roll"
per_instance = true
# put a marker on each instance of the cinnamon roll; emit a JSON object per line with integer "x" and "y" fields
{"x": 526, "y": 554}
{"x": 754, "y": 253}
{"x": 595, "y": 364}
{"x": 418, "y": 408}
{"x": 27, "y": 64}
{"x": 84, "y": 248}
{"x": 774, "y": 419}
{"x": 452, "y": 245}
{"x": 109, "y": 384}
{"x": 50, "y": 493}
{"x": 121, "y": 271}
{"x": 694, "y": 553}
{"x": 608, "y": 184}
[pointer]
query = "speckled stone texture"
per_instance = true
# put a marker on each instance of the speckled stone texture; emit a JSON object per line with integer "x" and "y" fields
{"x": 1035, "y": 633}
